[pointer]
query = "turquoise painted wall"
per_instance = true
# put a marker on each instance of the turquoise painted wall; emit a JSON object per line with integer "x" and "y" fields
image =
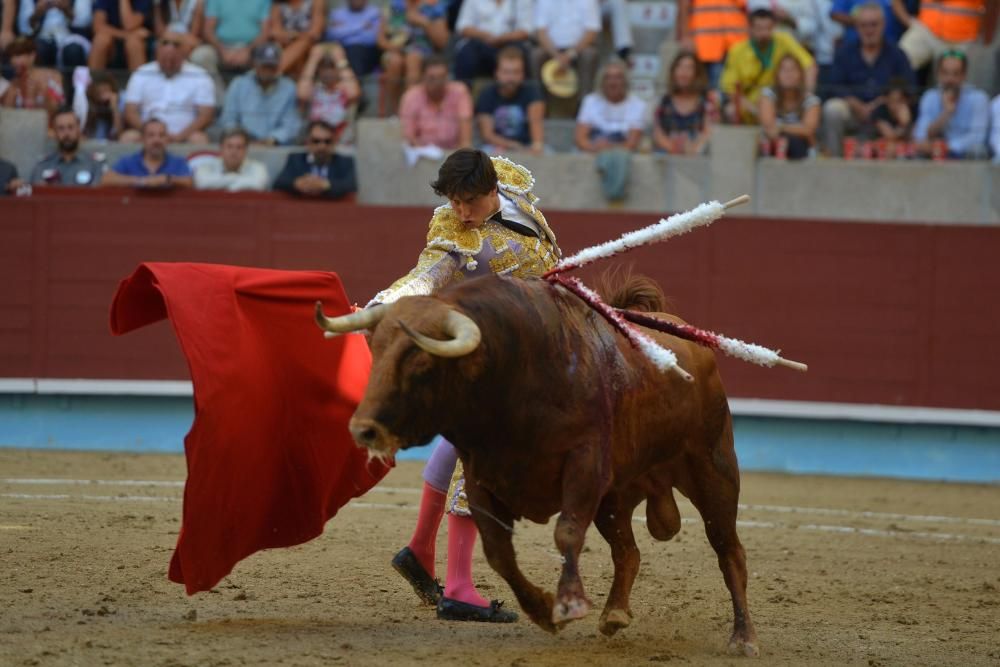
{"x": 829, "y": 447}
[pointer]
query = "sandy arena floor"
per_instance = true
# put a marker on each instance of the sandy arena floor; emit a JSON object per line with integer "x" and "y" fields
{"x": 844, "y": 571}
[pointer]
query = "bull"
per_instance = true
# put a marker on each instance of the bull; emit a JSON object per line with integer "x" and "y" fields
{"x": 552, "y": 411}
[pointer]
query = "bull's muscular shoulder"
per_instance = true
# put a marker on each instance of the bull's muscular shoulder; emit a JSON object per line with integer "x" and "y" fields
{"x": 447, "y": 233}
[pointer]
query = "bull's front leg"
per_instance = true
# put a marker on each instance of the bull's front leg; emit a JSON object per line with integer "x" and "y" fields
{"x": 584, "y": 482}
{"x": 496, "y": 527}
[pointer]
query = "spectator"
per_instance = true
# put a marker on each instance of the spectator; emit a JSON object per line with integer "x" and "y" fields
{"x": 682, "y": 123}
{"x": 567, "y": 30}
{"x": 8, "y": 12}
{"x": 943, "y": 25}
{"x": 710, "y": 28}
{"x": 789, "y": 114}
{"x": 751, "y": 64}
{"x": 860, "y": 78}
{"x": 232, "y": 170}
{"x": 844, "y": 13}
{"x": 104, "y": 119}
{"x": 954, "y": 113}
{"x": 510, "y": 112}
{"x": 328, "y": 89}
{"x": 320, "y": 172}
{"x": 262, "y": 102}
{"x": 179, "y": 93}
{"x": 413, "y": 30}
{"x": 616, "y": 11}
{"x": 437, "y": 112}
{"x": 296, "y": 25}
{"x": 355, "y": 26}
{"x": 995, "y": 129}
{"x": 610, "y": 124}
{"x": 153, "y": 166}
{"x": 233, "y": 29}
{"x": 67, "y": 166}
{"x": 893, "y": 118}
{"x": 182, "y": 17}
{"x": 9, "y": 182}
{"x": 121, "y": 28}
{"x": 799, "y": 17}
{"x": 828, "y": 34}
{"x": 58, "y": 28}
{"x": 32, "y": 87}
{"x": 486, "y": 26}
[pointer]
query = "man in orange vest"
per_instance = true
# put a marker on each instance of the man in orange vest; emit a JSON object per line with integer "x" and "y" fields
{"x": 709, "y": 28}
{"x": 944, "y": 24}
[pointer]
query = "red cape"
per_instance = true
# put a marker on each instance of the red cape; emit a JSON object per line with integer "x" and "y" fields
{"x": 269, "y": 456}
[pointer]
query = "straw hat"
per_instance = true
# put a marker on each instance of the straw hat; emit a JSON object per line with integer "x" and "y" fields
{"x": 560, "y": 84}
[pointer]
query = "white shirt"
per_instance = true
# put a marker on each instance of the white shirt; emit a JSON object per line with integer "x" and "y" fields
{"x": 211, "y": 175}
{"x": 497, "y": 18}
{"x": 608, "y": 118}
{"x": 173, "y": 100}
{"x": 566, "y": 21}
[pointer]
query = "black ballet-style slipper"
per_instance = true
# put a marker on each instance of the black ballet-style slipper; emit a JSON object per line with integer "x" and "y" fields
{"x": 454, "y": 610}
{"x": 427, "y": 589}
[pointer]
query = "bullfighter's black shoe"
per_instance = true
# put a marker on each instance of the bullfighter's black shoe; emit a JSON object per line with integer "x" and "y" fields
{"x": 454, "y": 610}
{"x": 426, "y": 588}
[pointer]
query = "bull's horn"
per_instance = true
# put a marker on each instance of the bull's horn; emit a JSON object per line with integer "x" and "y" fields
{"x": 464, "y": 332}
{"x": 362, "y": 319}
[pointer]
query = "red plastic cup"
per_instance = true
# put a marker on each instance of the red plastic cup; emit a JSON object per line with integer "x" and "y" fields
{"x": 850, "y": 148}
{"x": 781, "y": 148}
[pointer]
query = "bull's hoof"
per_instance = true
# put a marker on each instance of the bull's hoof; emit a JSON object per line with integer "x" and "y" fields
{"x": 614, "y": 620}
{"x": 745, "y": 647}
{"x": 569, "y": 609}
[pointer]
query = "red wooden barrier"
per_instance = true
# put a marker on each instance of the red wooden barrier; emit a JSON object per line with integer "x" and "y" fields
{"x": 883, "y": 313}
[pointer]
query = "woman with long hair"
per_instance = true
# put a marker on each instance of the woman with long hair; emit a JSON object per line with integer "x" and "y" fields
{"x": 683, "y": 120}
{"x": 789, "y": 114}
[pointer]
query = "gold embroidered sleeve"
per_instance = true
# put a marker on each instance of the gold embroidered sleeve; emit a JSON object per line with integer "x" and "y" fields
{"x": 435, "y": 268}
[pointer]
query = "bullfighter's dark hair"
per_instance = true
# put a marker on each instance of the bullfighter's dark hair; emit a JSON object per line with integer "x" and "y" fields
{"x": 762, "y": 14}
{"x": 467, "y": 172}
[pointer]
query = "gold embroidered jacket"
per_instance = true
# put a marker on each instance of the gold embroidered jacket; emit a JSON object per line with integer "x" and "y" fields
{"x": 455, "y": 252}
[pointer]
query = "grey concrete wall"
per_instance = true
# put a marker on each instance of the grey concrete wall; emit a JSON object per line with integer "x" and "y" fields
{"x": 23, "y": 138}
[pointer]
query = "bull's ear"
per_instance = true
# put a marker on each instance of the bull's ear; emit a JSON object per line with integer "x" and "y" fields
{"x": 465, "y": 336}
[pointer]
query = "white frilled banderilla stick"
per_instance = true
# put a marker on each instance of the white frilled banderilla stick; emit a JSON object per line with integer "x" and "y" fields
{"x": 680, "y": 223}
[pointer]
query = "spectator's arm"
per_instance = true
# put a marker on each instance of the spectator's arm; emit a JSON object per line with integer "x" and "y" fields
{"x": 536, "y": 125}
{"x": 437, "y": 33}
{"x": 254, "y": 179}
{"x": 182, "y": 181}
{"x": 925, "y": 116}
{"x": 201, "y": 121}
{"x": 133, "y": 117}
{"x": 285, "y": 181}
{"x": 115, "y": 177}
{"x": 131, "y": 19}
{"x": 290, "y": 123}
{"x": 209, "y": 32}
{"x": 317, "y": 21}
{"x": 382, "y": 38}
{"x": 277, "y": 27}
{"x": 660, "y": 138}
{"x": 632, "y": 139}
{"x": 972, "y": 142}
{"x": 995, "y": 129}
{"x": 206, "y": 177}
{"x": 767, "y": 116}
{"x": 901, "y": 13}
{"x": 840, "y": 12}
{"x": 408, "y": 120}
{"x": 488, "y": 134}
{"x": 343, "y": 183}
{"x": 230, "y": 107}
{"x": 808, "y": 125}
{"x": 581, "y": 136}
{"x": 7, "y": 26}
{"x": 101, "y": 24}
{"x": 197, "y": 27}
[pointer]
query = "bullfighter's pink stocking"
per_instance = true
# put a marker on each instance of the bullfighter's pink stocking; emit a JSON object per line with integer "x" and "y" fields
{"x": 428, "y": 520}
{"x": 461, "y": 543}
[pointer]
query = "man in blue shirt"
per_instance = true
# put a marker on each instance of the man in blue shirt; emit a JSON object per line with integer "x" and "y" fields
{"x": 153, "y": 166}
{"x": 954, "y": 112}
{"x": 262, "y": 102}
{"x": 510, "y": 112}
{"x": 355, "y": 26}
{"x": 860, "y": 78}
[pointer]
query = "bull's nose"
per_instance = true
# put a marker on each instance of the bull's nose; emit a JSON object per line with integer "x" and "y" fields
{"x": 366, "y": 432}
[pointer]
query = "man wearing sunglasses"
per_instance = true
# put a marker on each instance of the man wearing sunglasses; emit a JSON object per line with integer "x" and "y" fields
{"x": 320, "y": 172}
{"x": 177, "y": 92}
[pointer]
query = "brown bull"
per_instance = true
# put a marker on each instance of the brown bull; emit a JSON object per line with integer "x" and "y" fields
{"x": 551, "y": 412}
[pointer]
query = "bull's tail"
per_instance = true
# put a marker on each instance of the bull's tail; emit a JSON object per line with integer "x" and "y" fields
{"x": 621, "y": 288}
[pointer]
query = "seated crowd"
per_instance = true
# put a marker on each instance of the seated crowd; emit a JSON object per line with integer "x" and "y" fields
{"x": 838, "y": 81}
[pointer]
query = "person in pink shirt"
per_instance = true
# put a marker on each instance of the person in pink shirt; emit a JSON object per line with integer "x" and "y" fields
{"x": 437, "y": 111}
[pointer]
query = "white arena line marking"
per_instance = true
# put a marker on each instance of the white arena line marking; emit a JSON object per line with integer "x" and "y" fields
{"x": 869, "y": 532}
{"x": 14, "y": 527}
{"x": 779, "y": 509}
